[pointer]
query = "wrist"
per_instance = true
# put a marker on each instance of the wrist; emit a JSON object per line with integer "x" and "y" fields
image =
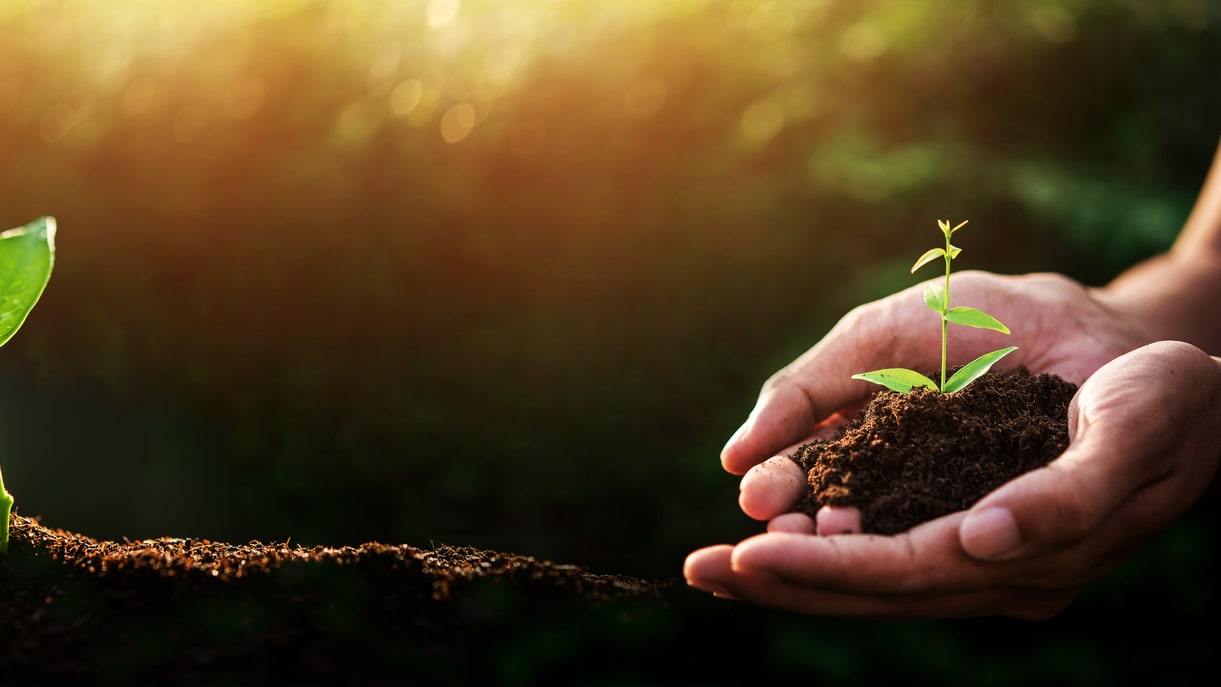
{"x": 1167, "y": 298}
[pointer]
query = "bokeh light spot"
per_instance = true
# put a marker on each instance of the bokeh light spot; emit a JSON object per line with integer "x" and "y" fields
{"x": 442, "y": 12}
{"x": 770, "y": 18}
{"x": 406, "y": 97}
{"x": 862, "y": 42}
{"x": 1054, "y": 24}
{"x": 357, "y": 123}
{"x": 762, "y": 121}
{"x": 457, "y": 122}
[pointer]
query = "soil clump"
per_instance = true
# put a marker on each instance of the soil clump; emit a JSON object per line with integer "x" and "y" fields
{"x": 909, "y": 458}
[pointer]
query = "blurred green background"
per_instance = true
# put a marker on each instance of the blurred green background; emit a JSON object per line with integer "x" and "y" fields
{"x": 507, "y": 274}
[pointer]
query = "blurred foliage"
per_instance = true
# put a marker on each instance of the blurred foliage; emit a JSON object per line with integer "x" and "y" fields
{"x": 508, "y": 273}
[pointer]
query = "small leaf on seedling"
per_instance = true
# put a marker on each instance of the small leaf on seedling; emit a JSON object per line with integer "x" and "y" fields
{"x": 934, "y": 297}
{"x": 945, "y": 227}
{"x": 954, "y": 251}
{"x": 960, "y": 226}
{"x": 897, "y": 379}
{"x": 929, "y": 256}
{"x": 974, "y": 370}
{"x": 974, "y": 318}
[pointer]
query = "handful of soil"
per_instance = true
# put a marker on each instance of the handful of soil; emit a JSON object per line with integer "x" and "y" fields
{"x": 909, "y": 458}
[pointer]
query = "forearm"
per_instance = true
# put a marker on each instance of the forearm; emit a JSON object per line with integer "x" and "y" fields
{"x": 1172, "y": 297}
{"x": 1175, "y": 295}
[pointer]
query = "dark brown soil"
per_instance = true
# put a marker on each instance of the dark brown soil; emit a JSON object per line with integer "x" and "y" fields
{"x": 910, "y": 458}
{"x": 179, "y": 611}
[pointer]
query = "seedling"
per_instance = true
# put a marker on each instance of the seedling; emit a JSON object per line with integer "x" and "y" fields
{"x": 26, "y": 256}
{"x": 937, "y": 298}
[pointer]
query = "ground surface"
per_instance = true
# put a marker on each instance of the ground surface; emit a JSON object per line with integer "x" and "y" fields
{"x": 76, "y": 610}
{"x": 80, "y": 610}
{"x": 908, "y": 458}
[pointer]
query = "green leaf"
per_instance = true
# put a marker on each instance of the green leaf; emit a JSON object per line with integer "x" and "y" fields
{"x": 26, "y": 257}
{"x": 974, "y": 370}
{"x": 897, "y": 379}
{"x": 974, "y": 318}
{"x": 944, "y": 226}
{"x": 954, "y": 251}
{"x": 934, "y": 296}
{"x": 960, "y": 226}
{"x": 929, "y": 256}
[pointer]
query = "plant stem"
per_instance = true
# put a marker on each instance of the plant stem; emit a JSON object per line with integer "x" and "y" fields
{"x": 945, "y": 305}
{"x": 6, "y": 508}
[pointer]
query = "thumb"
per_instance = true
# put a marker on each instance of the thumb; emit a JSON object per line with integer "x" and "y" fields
{"x": 1052, "y": 507}
{"x": 1120, "y": 444}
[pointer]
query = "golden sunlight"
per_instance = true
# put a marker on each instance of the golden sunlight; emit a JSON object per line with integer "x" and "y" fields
{"x": 436, "y": 64}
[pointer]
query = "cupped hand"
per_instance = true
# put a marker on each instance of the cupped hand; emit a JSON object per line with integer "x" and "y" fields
{"x": 1142, "y": 450}
{"x": 1059, "y": 326}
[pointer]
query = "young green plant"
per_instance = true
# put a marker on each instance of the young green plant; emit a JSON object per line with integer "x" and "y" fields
{"x": 26, "y": 257}
{"x": 937, "y": 298}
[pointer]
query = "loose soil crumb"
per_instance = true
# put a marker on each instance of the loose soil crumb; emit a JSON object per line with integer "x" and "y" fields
{"x": 910, "y": 458}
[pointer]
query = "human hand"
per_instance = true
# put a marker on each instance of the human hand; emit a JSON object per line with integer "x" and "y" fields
{"x": 1142, "y": 450}
{"x": 1059, "y": 326}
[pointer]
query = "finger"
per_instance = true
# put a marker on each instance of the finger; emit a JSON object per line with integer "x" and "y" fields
{"x": 924, "y": 561}
{"x": 780, "y": 418}
{"x": 746, "y": 445}
{"x": 838, "y": 520}
{"x": 806, "y": 392}
{"x": 777, "y": 484}
{"x": 1051, "y": 508}
{"x": 1027, "y": 604}
{"x": 771, "y": 488}
{"x": 793, "y": 523}
{"x": 1122, "y": 444}
{"x": 709, "y": 569}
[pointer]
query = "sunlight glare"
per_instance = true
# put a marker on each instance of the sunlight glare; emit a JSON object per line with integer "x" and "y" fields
{"x": 442, "y": 12}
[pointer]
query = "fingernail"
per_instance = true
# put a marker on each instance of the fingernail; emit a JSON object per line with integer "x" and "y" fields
{"x": 989, "y": 534}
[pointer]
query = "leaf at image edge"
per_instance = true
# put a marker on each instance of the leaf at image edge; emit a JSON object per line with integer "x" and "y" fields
{"x": 975, "y": 369}
{"x": 27, "y": 255}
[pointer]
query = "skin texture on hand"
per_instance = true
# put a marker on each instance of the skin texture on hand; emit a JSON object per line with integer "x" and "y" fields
{"x": 1142, "y": 450}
